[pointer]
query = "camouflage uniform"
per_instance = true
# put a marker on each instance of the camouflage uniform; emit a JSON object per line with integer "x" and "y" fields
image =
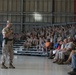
{"x": 7, "y": 48}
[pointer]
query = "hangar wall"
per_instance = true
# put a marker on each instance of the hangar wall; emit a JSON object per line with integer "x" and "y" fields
{"x": 20, "y": 12}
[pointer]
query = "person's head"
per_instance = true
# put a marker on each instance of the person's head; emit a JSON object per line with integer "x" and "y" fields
{"x": 61, "y": 42}
{"x": 48, "y": 40}
{"x": 70, "y": 39}
{"x": 65, "y": 40}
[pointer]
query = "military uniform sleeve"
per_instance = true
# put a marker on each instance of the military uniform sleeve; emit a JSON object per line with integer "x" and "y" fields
{"x": 4, "y": 31}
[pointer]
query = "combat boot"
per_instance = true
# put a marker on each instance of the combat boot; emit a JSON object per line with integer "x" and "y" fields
{"x": 3, "y": 66}
{"x": 11, "y": 66}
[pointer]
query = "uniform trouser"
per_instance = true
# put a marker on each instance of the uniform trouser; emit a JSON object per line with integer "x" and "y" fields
{"x": 7, "y": 51}
{"x": 74, "y": 61}
{"x": 63, "y": 53}
{"x": 57, "y": 55}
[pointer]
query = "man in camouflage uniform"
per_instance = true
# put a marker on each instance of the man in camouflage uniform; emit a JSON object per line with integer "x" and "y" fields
{"x": 7, "y": 46}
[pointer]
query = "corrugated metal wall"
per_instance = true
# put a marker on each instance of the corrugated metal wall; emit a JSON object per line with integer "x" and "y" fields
{"x": 20, "y": 12}
{"x": 64, "y": 11}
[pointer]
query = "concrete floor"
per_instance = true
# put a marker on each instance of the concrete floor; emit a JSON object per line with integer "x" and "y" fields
{"x": 31, "y": 65}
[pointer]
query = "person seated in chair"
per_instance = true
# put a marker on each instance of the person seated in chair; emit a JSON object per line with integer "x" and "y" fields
{"x": 47, "y": 46}
{"x": 73, "y": 65}
{"x": 57, "y": 47}
{"x": 67, "y": 50}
